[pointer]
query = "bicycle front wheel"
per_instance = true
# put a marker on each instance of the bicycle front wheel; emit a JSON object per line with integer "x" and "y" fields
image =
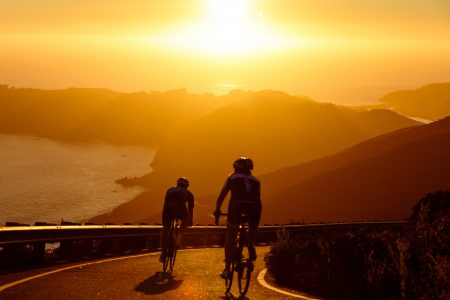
{"x": 166, "y": 262}
{"x": 172, "y": 259}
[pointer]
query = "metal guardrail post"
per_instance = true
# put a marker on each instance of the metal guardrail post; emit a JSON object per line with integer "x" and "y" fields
{"x": 118, "y": 246}
{"x": 104, "y": 246}
{"x": 65, "y": 249}
{"x": 154, "y": 243}
{"x": 208, "y": 239}
{"x": 38, "y": 255}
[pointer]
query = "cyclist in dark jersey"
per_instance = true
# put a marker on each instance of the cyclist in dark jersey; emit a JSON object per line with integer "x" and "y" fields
{"x": 245, "y": 198}
{"x": 175, "y": 207}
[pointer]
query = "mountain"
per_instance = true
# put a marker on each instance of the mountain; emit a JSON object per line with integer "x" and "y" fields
{"x": 97, "y": 114}
{"x": 379, "y": 179}
{"x": 430, "y": 102}
{"x": 52, "y": 114}
{"x": 149, "y": 118}
{"x": 274, "y": 129}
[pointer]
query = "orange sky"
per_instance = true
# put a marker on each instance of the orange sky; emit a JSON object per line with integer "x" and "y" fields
{"x": 343, "y": 51}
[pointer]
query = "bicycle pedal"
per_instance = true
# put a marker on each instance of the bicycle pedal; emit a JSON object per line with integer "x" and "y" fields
{"x": 225, "y": 274}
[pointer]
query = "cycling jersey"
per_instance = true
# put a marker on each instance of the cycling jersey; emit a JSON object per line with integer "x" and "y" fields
{"x": 245, "y": 197}
{"x": 175, "y": 205}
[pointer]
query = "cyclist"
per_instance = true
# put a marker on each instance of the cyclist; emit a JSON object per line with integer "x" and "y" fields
{"x": 175, "y": 207}
{"x": 245, "y": 198}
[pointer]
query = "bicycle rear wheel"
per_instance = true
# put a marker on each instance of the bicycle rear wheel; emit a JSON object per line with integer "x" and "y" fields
{"x": 229, "y": 280}
{"x": 169, "y": 252}
{"x": 244, "y": 275}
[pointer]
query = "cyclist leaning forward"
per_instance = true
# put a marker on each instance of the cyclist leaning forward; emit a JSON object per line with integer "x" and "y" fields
{"x": 245, "y": 198}
{"x": 175, "y": 208}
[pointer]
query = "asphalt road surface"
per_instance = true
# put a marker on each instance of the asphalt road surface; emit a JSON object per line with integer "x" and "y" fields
{"x": 195, "y": 276}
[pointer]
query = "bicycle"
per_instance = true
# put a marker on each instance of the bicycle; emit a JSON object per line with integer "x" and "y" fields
{"x": 241, "y": 264}
{"x": 171, "y": 249}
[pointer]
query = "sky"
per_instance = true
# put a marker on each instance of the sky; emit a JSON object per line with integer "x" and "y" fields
{"x": 348, "y": 51}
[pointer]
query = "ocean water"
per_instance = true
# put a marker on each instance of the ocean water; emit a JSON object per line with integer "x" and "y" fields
{"x": 46, "y": 180}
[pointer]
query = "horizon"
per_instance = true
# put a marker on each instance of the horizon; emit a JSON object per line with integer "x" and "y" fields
{"x": 374, "y": 101}
{"x": 346, "y": 53}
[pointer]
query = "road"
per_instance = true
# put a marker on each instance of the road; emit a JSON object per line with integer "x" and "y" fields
{"x": 195, "y": 276}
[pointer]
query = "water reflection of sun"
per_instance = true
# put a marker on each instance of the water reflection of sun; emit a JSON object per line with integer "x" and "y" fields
{"x": 220, "y": 88}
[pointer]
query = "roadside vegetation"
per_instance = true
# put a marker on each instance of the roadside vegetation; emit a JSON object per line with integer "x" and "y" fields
{"x": 405, "y": 262}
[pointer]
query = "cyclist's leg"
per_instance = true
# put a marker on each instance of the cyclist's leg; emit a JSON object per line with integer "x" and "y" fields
{"x": 163, "y": 241}
{"x": 230, "y": 240}
{"x": 253, "y": 231}
{"x": 164, "y": 235}
{"x": 254, "y": 218}
{"x": 184, "y": 224}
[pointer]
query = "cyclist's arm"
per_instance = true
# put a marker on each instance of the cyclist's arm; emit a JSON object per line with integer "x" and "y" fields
{"x": 165, "y": 201}
{"x": 191, "y": 210}
{"x": 223, "y": 194}
{"x": 259, "y": 199}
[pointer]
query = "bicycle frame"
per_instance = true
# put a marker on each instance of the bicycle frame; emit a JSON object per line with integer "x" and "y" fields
{"x": 242, "y": 265}
{"x": 171, "y": 250}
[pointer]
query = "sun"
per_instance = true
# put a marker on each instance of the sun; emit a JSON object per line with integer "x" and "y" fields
{"x": 226, "y": 28}
{"x": 226, "y": 10}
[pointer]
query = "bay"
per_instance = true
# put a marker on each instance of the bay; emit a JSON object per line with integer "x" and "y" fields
{"x": 46, "y": 180}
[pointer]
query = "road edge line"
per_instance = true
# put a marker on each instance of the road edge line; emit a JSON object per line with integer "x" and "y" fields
{"x": 11, "y": 284}
{"x": 14, "y": 283}
{"x": 264, "y": 283}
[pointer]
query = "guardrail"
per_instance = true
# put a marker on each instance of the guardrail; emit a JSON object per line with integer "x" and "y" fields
{"x": 26, "y": 245}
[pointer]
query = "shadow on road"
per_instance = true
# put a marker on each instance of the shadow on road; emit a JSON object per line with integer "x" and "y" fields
{"x": 232, "y": 297}
{"x": 158, "y": 283}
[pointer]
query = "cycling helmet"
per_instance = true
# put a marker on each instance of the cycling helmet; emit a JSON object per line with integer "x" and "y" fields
{"x": 182, "y": 182}
{"x": 243, "y": 164}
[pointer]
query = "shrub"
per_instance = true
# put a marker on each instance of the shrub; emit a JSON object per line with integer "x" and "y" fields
{"x": 366, "y": 264}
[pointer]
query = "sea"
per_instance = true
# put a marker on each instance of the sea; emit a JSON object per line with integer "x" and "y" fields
{"x": 46, "y": 180}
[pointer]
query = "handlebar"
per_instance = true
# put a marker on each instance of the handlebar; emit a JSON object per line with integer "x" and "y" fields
{"x": 217, "y": 217}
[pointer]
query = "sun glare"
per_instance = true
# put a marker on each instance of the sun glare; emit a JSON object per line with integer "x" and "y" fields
{"x": 227, "y": 28}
